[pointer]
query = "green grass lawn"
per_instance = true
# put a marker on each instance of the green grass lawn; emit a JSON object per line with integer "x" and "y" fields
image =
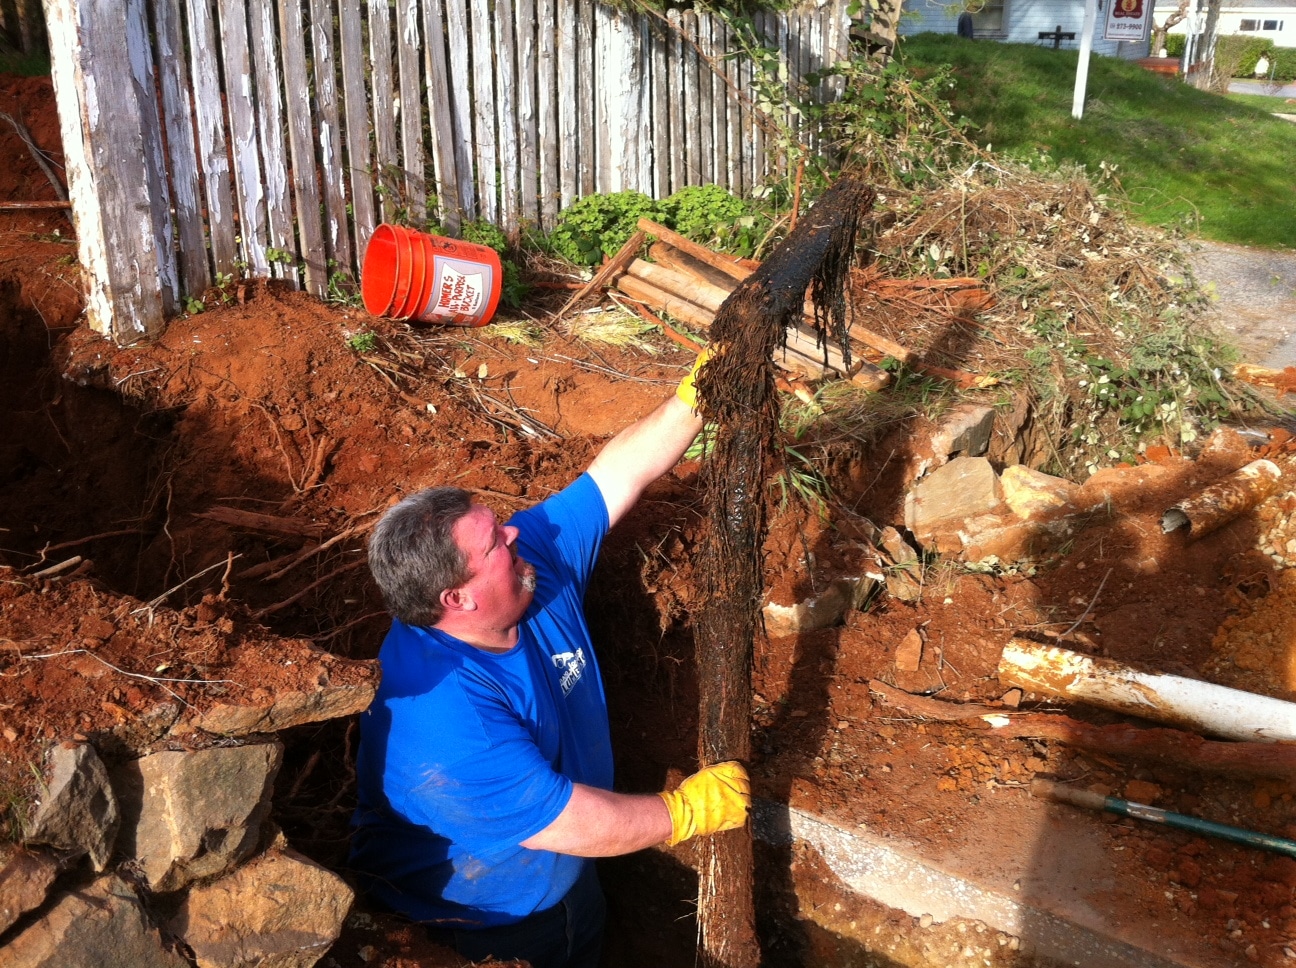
{"x": 1218, "y": 167}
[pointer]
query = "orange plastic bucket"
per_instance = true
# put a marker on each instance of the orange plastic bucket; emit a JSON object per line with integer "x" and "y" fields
{"x": 430, "y": 278}
{"x": 404, "y": 270}
{"x": 417, "y": 274}
{"x": 378, "y": 274}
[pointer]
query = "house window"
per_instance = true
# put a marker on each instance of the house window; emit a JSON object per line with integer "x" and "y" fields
{"x": 1272, "y": 25}
{"x": 1247, "y": 25}
{"x": 987, "y": 16}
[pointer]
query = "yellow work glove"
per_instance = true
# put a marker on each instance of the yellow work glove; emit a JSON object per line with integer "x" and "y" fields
{"x": 709, "y": 801}
{"x": 688, "y": 389}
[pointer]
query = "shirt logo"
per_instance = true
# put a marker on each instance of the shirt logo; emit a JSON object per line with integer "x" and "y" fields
{"x": 573, "y": 666}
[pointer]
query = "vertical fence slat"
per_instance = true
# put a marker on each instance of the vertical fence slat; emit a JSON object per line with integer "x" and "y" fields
{"x": 91, "y": 71}
{"x": 213, "y": 158}
{"x": 337, "y": 229}
{"x": 359, "y": 159}
{"x": 243, "y": 135}
{"x": 461, "y": 104}
{"x": 660, "y": 93}
{"x": 547, "y": 93}
{"x": 646, "y": 157}
{"x": 719, "y": 40}
{"x": 506, "y": 110}
{"x": 607, "y": 130}
{"x": 692, "y": 126}
{"x": 281, "y": 233}
{"x": 441, "y": 123}
{"x": 301, "y": 145}
{"x": 675, "y": 48}
{"x": 585, "y": 96}
{"x": 706, "y": 99}
{"x": 143, "y": 77}
{"x": 483, "y": 116}
{"x": 408, "y": 45}
{"x": 735, "y": 109}
{"x": 177, "y": 116}
{"x": 384, "y": 105}
{"x": 568, "y": 127}
{"x": 528, "y": 67}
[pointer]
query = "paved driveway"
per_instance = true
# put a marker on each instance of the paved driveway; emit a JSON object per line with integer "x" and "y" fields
{"x": 1256, "y": 290}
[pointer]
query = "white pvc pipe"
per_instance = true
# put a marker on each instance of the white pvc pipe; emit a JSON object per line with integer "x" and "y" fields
{"x": 1200, "y": 706}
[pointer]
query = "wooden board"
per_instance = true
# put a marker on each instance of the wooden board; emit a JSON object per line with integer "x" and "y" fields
{"x": 547, "y": 87}
{"x": 437, "y": 65}
{"x": 528, "y": 68}
{"x": 506, "y": 110}
{"x": 359, "y": 158}
{"x": 213, "y": 157}
{"x": 386, "y": 153}
{"x": 182, "y": 158}
{"x": 280, "y": 227}
{"x": 241, "y": 108}
{"x": 328, "y": 126}
{"x": 461, "y": 105}
{"x": 483, "y": 114}
{"x": 305, "y": 185}
{"x": 414, "y": 188}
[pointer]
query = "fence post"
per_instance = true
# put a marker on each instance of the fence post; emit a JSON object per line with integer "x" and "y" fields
{"x": 102, "y": 125}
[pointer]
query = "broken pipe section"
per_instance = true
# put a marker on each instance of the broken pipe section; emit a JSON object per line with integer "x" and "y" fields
{"x": 1189, "y": 703}
{"x": 1224, "y": 500}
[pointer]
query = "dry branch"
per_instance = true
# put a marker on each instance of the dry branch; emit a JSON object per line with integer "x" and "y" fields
{"x": 255, "y": 521}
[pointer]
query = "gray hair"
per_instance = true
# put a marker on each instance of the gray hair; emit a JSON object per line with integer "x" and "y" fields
{"x": 413, "y": 555}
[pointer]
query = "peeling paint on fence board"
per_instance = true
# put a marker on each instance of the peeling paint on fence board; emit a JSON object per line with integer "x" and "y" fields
{"x": 547, "y": 60}
{"x": 90, "y": 68}
{"x": 358, "y": 128}
{"x": 585, "y": 97}
{"x": 506, "y": 110}
{"x": 528, "y": 156}
{"x": 337, "y": 230}
{"x": 301, "y": 147}
{"x": 248, "y": 186}
{"x": 213, "y": 156}
{"x": 444, "y": 150}
{"x": 568, "y": 128}
{"x": 177, "y": 117}
{"x": 483, "y": 114}
{"x": 411, "y": 114}
{"x": 384, "y": 101}
{"x": 461, "y": 104}
{"x": 280, "y": 230}
{"x": 157, "y": 191}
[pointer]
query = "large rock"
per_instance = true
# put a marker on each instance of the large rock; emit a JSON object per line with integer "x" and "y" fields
{"x": 277, "y": 911}
{"x": 818, "y": 611}
{"x": 197, "y": 813}
{"x": 287, "y": 709}
{"x": 1033, "y": 494}
{"x": 78, "y": 811}
{"x": 964, "y": 429}
{"x": 939, "y": 504}
{"x": 25, "y": 879}
{"x": 100, "y": 926}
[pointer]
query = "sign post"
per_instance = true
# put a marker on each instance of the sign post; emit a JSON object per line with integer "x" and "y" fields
{"x": 1082, "y": 68}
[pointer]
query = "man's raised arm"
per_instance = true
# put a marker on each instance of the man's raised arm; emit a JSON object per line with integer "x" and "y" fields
{"x": 647, "y": 449}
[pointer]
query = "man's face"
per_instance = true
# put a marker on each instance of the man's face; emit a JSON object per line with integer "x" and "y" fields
{"x": 502, "y": 584}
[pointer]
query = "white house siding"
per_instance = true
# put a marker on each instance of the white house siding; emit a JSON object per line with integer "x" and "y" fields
{"x": 1232, "y": 15}
{"x": 1024, "y": 19}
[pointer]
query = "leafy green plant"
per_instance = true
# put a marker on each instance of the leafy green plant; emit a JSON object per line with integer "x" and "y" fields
{"x": 715, "y": 217}
{"x": 599, "y": 225}
{"x": 363, "y": 342}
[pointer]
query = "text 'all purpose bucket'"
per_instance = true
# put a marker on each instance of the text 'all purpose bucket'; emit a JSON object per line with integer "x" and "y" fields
{"x": 429, "y": 278}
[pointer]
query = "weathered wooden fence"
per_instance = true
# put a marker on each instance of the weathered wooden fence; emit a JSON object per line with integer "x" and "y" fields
{"x": 22, "y": 25}
{"x": 207, "y": 138}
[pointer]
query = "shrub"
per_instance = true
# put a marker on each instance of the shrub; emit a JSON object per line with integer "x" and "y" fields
{"x": 1176, "y": 44}
{"x": 1236, "y": 54}
{"x": 1282, "y": 64}
{"x": 697, "y": 211}
{"x": 598, "y": 225}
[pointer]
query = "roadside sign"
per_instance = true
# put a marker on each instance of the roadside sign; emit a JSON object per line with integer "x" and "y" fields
{"x": 1126, "y": 20}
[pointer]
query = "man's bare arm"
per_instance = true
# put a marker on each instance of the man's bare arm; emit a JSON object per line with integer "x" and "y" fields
{"x": 600, "y": 823}
{"x": 643, "y": 452}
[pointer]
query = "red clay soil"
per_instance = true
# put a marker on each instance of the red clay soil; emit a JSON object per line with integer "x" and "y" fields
{"x": 145, "y": 462}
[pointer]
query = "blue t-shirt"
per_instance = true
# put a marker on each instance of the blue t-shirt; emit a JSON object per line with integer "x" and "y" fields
{"x": 465, "y": 753}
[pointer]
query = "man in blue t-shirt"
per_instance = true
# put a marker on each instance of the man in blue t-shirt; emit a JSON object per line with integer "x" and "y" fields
{"x": 485, "y": 763}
